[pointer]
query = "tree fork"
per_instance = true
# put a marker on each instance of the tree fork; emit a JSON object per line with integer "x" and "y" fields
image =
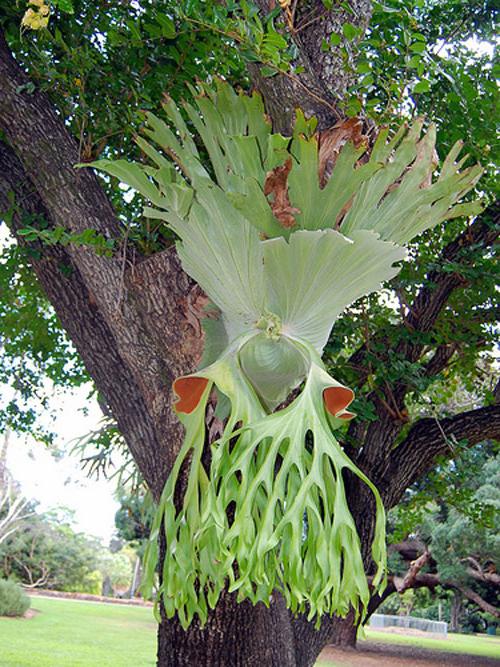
{"x": 324, "y": 78}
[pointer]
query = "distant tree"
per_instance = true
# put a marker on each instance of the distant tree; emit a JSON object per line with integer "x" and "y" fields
{"x": 45, "y": 553}
{"x": 117, "y": 569}
{"x": 451, "y": 546}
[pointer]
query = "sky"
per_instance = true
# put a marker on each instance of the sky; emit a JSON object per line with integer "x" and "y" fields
{"x": 59, "y": 482}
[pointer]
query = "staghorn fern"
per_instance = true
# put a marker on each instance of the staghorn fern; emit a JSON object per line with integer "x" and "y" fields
{"x": 281, "y": 248}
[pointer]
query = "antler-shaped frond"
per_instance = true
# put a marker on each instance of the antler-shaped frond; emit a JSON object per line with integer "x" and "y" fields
{"x": 282, "y": 234}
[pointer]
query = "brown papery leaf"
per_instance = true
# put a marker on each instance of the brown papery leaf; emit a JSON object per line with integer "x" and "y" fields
{"x": 276, "y": 187}
{"x": 331, "y": 142}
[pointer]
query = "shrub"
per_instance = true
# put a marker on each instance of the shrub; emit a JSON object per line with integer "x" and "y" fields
{"x": 90, "y": 583}
{"x": 13, "y": 600}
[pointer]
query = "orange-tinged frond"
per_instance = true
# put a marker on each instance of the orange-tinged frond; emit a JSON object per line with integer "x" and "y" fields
{"x": 189, "y": 391}
{"x": 337, "y": 399}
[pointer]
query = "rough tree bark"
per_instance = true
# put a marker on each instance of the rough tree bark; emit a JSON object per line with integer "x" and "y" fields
{"x": 130, "y": 318}
{"x": 324, "y": 75}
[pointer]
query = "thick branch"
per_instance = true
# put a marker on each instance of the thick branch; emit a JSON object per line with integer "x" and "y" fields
{"x": 149, "y": 359}
{"x": 431, "y": 581}
{"x": 430, "y": 438}
{"x": 440, "y": 284}
{"x": 477, "y": 599}
{"x": 404, "y": 583}
{"x": 440, "y": 359}
{"x": 389, "y": 400}
{"x": 476, "y": 572}
{"x": 425, "y": 580}
{"x": 431, "y": 299}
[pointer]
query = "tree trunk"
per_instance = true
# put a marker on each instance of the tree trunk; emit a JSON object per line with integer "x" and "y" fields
{"x": 344, "y": 632}
{"x": 456, "y": 612}
{"x": 320, "y": 87}
{"x": 236, "y": 635}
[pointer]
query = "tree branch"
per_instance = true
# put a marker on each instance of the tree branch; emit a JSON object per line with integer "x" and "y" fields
{"x": 404, "y": 583}
{"x": 432, "y": 580}
{"x": 477, "y": 599}
{"x": 440, "y": 359}
{"x": 389, "y": 401}
{"x": 323, "y": 77}
{"x": 440, "y": 283}
{"x": 430, "y": 438}
{"x": 476, "y": 572}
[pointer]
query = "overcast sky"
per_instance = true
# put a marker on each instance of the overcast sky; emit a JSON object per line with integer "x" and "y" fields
{"x": 60, "y": 482}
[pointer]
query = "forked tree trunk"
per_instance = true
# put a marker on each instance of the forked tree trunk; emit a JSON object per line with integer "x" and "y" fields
{"x": 344, "y": 632}
{"x": 235, "y": 635}
{"x": 241, "y": 635}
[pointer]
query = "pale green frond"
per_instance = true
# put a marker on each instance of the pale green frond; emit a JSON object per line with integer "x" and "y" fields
{"x": 244, "y": 157}
{"x": 273, "y": 481}
{"x": 131, "y": 173}
{"x": 271, "y": 513}
{"x": 277, "y": 151}
{"x": 205, "y": 127}
{"x": 222, "y": 252}
{"x": 249, "y": 200}
{"x": 314, "y": 276}
{"x": 216, "y": 339}
{"x": 320, "y": 207}
{"x": 175, "y": 116}
{"x": 159, "y": 159}
{"x": 188, "y": 162}
{"x": 400, "y": 201}
{"x": 258, "y": 124}
{"x": 169, "y": 217}
{"x": 274, "y": 367}
{"x": 230, "y": 106}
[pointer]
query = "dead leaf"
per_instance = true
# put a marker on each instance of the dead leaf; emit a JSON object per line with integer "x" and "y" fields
{"x": 331, "y": 142}
{"x": 276, "y": 186}
{"x": 194, "y": 308}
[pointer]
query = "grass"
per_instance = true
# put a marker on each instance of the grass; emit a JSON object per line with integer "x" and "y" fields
{"x": 481, "y": 645}
{"x": 89, "y": 634}
{"x": 79, "y": 634}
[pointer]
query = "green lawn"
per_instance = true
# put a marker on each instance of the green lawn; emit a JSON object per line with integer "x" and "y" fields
{"x": 70, "y": 633}
{"x": 483, "y": 645}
